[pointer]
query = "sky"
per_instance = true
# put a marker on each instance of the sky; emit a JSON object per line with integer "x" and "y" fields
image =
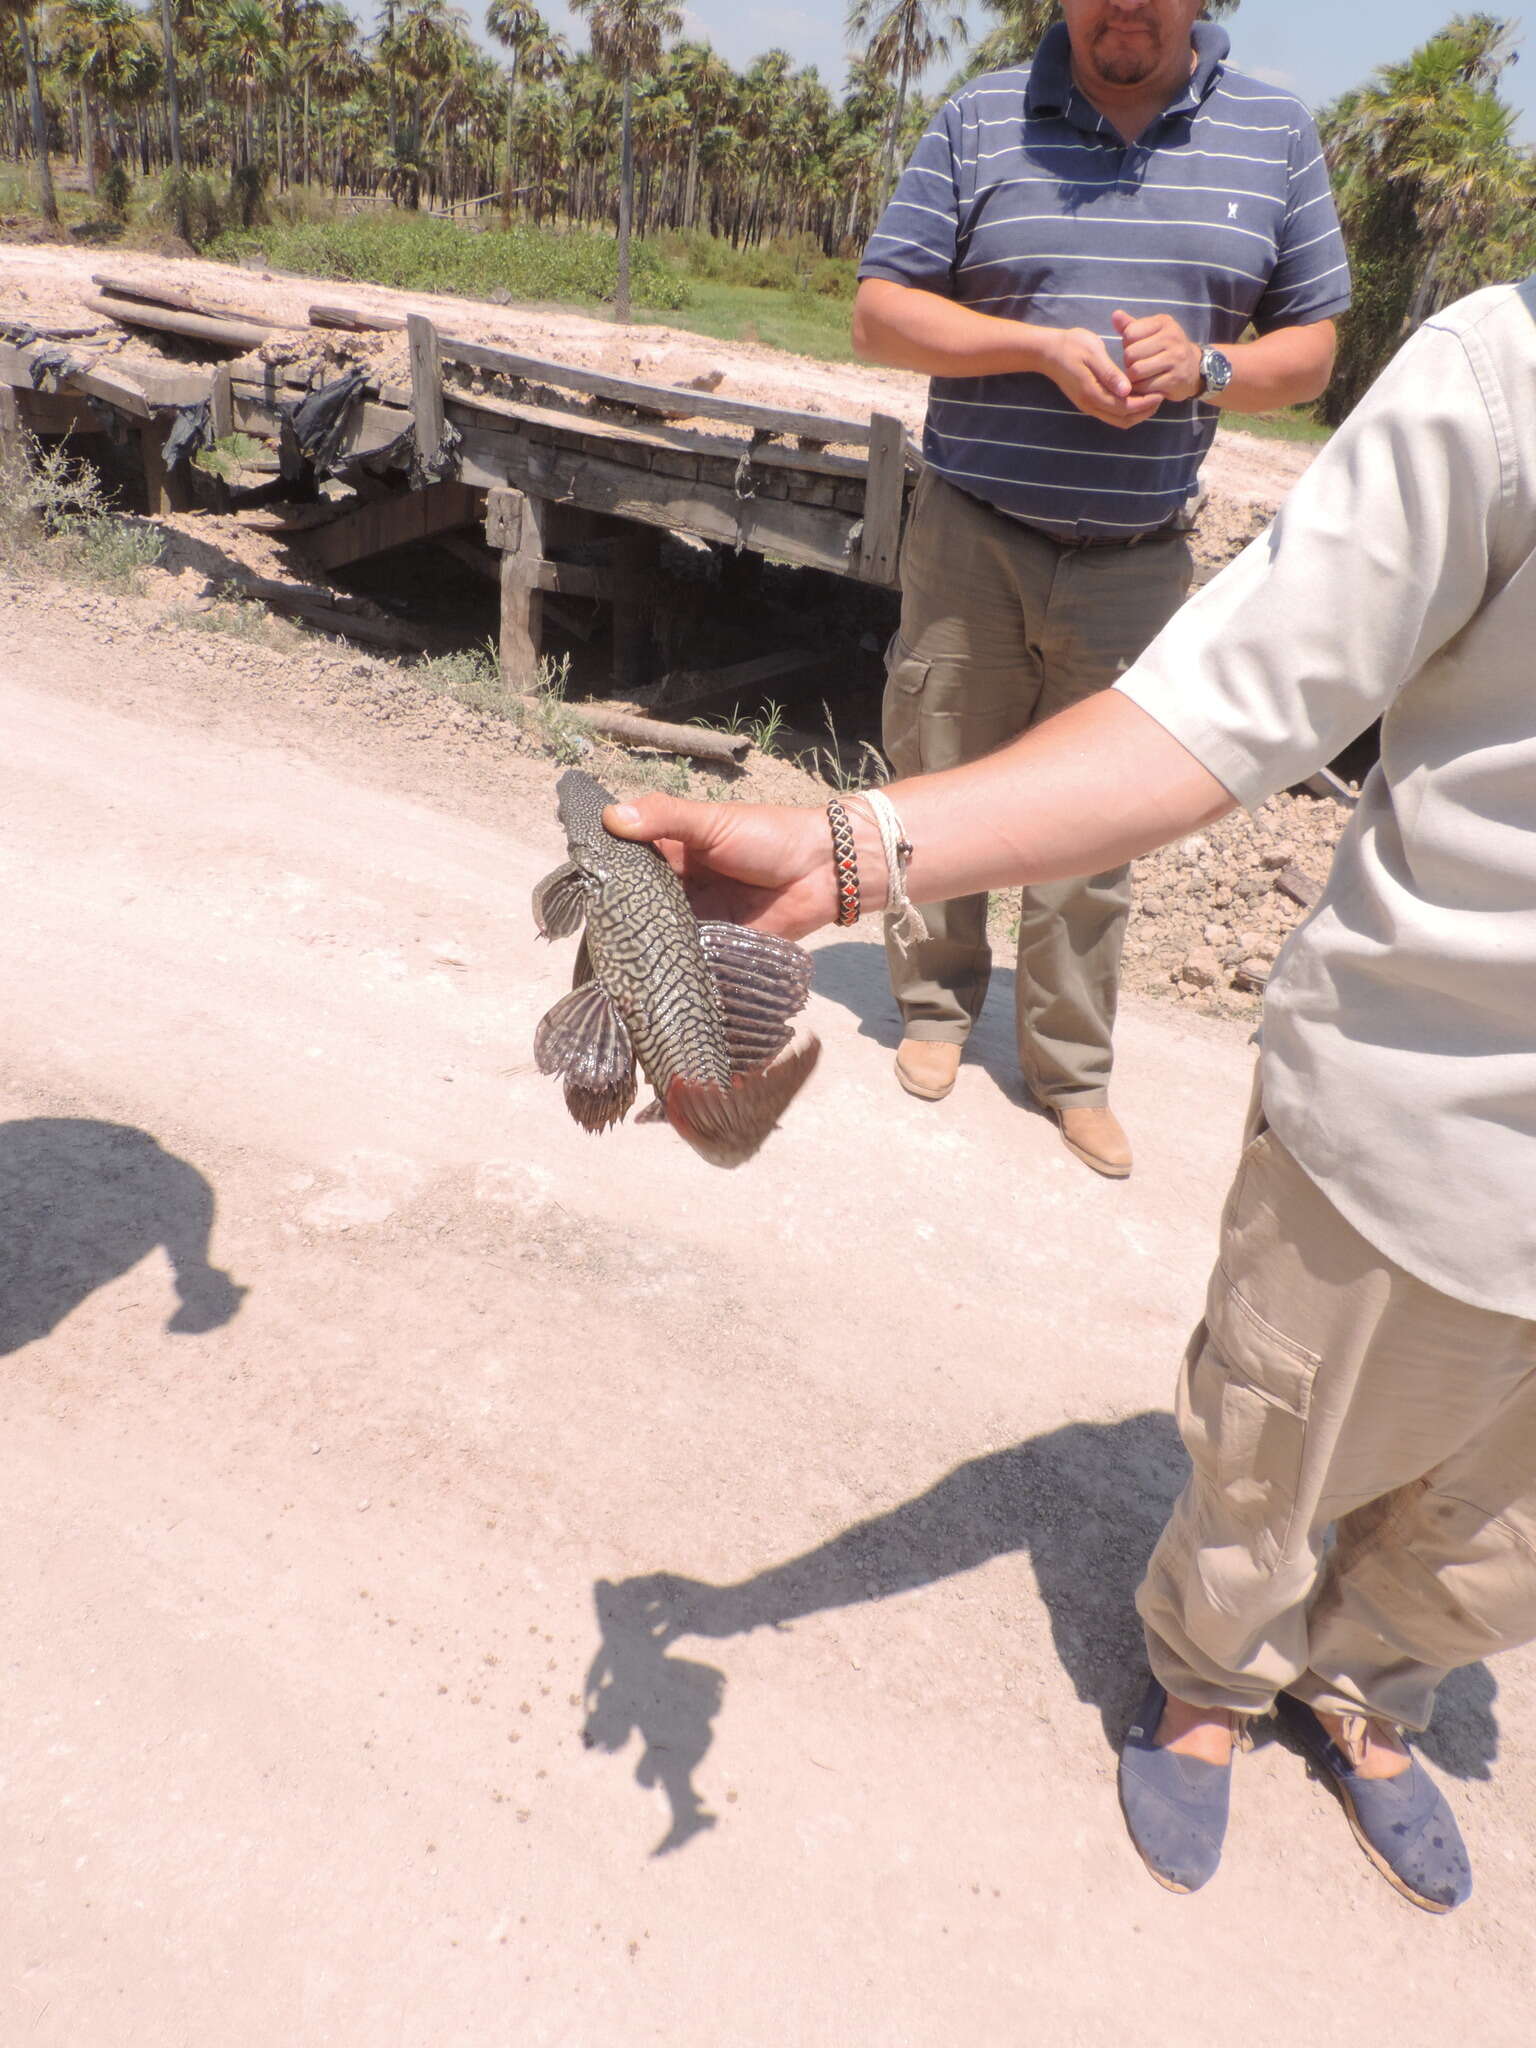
{"x": 1316, "y": 48}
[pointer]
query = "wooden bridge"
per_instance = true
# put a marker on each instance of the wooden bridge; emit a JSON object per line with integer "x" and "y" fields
{"x": 571, "y": 475}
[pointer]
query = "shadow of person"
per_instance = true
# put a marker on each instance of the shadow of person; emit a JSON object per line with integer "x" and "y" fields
{"x": 855, "y": 975}
{"x": 1085, "y": 1501}
{"x": 82, "y": 1202}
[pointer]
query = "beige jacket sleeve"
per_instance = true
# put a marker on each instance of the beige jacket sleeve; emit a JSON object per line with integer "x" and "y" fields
{"x": 1383, "y": 551}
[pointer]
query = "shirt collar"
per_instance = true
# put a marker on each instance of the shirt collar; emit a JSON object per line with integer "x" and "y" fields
{"x": 1050, "y": 89}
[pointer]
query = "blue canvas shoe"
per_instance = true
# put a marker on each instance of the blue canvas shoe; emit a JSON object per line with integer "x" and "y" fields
{"x": 1403, "y": 1824}
{"x": 1175, "y": 1806}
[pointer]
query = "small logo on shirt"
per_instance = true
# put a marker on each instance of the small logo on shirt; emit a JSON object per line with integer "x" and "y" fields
{"x": 1232, "y": 209}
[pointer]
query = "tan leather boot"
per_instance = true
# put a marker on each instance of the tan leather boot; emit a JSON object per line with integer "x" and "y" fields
{"x": 1097, "y": 1139}
{"x": 926, "y": 1068}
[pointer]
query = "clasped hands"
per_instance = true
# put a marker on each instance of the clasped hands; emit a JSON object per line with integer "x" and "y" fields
{"x": 1160, "y": 362}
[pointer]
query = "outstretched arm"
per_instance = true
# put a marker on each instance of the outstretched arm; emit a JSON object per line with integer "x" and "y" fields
{"x": 1091, "y": 788}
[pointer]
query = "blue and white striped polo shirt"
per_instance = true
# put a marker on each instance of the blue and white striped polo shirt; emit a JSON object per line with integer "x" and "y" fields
{"x": 1023, "y": 201}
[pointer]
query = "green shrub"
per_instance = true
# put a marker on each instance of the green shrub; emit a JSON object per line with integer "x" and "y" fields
{"x": 116, "y": 189}
{"x": 413, "y": 253}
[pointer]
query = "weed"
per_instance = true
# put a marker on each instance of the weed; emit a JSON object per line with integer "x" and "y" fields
{"x": 51, "y": 499}
{"x": 829, "y": 762}
{"x": 245, "y": 619}
{"x": 227, "y": 456}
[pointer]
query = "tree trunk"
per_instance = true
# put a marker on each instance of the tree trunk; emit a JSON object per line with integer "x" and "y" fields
{"x": 893, "y": 142}
{"x": 506, "y": 183}
{"x": 626, "y": 202}
{"x": 46, "y": 199}
{"x": 173, "y": 103}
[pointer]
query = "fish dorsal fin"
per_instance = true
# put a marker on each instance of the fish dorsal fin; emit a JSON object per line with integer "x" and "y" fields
{"x": 560, "y": 902}
{"x": 763, "y": 982}
{"x": 584, "y": 1038}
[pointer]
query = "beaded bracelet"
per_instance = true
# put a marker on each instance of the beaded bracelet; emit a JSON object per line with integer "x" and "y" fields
{"x": 845, "y": 863}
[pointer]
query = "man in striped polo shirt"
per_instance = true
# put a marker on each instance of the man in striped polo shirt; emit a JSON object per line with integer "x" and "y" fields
{"x": 1073, "y": 255}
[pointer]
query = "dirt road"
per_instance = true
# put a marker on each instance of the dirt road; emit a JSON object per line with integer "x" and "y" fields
{"x": 355, "y": 1402}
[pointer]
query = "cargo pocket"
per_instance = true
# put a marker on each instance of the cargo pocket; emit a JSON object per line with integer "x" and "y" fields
{"x": 906, "y": 678}
{"x": 1244, "y": 1399}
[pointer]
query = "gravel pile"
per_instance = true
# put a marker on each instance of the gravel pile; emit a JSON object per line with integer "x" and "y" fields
{"x": 1212, "y": 913}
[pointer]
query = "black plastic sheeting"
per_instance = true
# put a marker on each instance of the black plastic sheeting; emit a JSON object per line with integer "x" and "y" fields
{"x": 190, "y": 432}
{"x": 310, "y": 428}
{"x": 50, "y": 366}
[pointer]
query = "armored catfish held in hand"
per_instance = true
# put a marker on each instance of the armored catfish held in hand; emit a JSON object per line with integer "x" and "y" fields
{"x": 706, "y": 1009}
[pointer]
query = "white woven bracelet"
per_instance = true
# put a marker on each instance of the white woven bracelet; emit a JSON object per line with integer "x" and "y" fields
{"x": 906, "y": 926}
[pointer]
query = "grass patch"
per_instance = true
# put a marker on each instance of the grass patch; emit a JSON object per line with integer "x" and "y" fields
{"x": 798, "y": 321}
{"x": 1296, "y": 423}
{"x": 413, "y": 253}
{"x": 228, "y": 456}
{"x": 243, "y": 618}
{"x": 472, "y": 677}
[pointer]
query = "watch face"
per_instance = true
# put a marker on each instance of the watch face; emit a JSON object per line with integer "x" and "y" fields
{"x": 1217, "y": 368}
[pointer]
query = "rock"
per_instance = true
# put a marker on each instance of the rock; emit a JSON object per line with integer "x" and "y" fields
{"x": 1202, "y": 968}
{"x": 707, "y": 380}
{"x": 1216, "y": 935}
{"x": 1154, "y": 906}
{"x": 1278, "y": 854}
{"x": 1253, "y": 974}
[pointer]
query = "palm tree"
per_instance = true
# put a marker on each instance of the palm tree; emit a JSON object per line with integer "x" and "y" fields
{"x": 104, "y": 49}
{"x": 512, "y": 23}
{"x": 1434, "y": 194}
{"x": 245, "y": 55}
{"x": 19, "y": 10}
{"x": 627, "y": 37}
{"x": 901, "y": 39}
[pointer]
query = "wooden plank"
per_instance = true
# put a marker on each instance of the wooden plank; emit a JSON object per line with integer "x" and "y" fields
{"x": 805, "y": 534}
{"x": 1299, "y": 887}
{"x": 55, "y": 412}
{"x": 392, "y": 522}
{"x": 13, "y": 440}
{"x": 1326, "y": 783}
{"x": 653, "y": 433}
{"x": 670, "y": 400}
{"x": 692, "y": 689}
{"x": 168, "y": 490}
{"x": 172, "y": 297}
{"x": 240, "y": 335}
{"x": 515, "y": 524}
{"x": 355, "y": 320}
{"x": 426, "y": 389}
{"x": 112, "y": 385}
{"x": 884, "y": 497}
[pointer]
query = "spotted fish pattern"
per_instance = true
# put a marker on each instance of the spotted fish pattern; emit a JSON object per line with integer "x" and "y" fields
{"x": 704, "y": 1010}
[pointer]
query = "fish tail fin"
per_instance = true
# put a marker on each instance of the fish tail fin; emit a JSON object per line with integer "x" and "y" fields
{"x": 727, "y": 1125}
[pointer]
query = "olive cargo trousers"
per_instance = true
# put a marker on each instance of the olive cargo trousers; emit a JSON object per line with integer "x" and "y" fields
{"x": 1327, "y": 1390}
{"x": 1000, "y": 628}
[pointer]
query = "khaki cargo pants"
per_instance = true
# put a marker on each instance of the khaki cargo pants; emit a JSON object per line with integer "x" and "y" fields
{"x": 1000, "y": 628}
{"x": 1361, "y": 1517}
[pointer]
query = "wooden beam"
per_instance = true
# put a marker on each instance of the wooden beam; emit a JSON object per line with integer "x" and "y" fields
{"x": 167, "y": 490}
{"x": 478, "y": 408}
{"x": 693, "y": 689}
{"x": 13, "y": 440}
{"x": 809, "y": 535}
{"x": 239, "y": 335}
{"x": 54, "y": 412}
{"x": 515, "y": 523}
{"x": 884, "y": 499}
{"x": 635, "y": 730}
{"x": 426, "y": 389}
{"x": 392, "y": 522}
{"x": 670, "y": 400}
{"x": 172, "y": 297}
{"x": 576, "y": 579}
{"x": 221, "y": 404}
{"x": 355, "y": 320}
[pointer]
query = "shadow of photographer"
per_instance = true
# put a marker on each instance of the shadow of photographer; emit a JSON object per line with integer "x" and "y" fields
{"x": 1086, "y": 1502}
{"x": 83, "y": 1202}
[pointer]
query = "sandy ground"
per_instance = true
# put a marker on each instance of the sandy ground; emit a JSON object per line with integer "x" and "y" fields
{"x": 469, "y": 1583}
{"x": 41, "y": 282}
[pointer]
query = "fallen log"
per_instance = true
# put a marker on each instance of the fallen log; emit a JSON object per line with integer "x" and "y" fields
{"x": 636, "y": 730}
{"x": 355, "y": 320}
{"x": 174, "y": 299}
{"x": 239, "y": 335}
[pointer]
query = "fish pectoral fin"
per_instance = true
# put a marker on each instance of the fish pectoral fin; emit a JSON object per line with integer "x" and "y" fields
{"x": 560, "y": 902}
{"x": 584, "y": 1038}
{"x": 763, "y": 982}
{"x": 727, "y": 1125}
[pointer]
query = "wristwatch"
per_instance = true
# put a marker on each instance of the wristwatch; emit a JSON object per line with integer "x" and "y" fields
{"x": 1215, "y": 371}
